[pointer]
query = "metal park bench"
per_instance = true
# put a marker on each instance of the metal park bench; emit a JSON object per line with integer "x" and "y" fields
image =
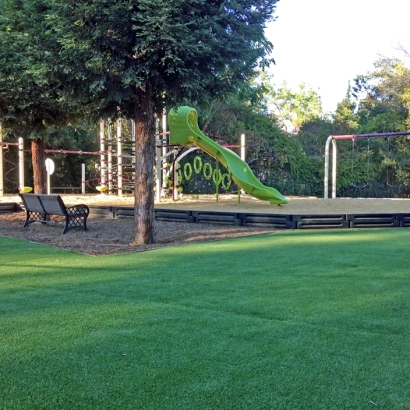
{"x": 39, "y": 208}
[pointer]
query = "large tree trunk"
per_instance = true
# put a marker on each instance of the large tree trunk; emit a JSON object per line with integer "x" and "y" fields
{"x": 144, "y": 228}
{"x": 39, "y": 166}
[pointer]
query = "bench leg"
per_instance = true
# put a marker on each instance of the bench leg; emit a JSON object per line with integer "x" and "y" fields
{"x": 35, "y": 217}
{"x": 76, "y": 218}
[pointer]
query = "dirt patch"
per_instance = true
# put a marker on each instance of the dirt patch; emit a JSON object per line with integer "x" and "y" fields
{"x": 110, "y": 236}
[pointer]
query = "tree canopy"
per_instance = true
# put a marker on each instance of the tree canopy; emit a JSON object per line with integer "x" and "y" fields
{"x": 31, "y": 88}
{"x": 382, "y": 97}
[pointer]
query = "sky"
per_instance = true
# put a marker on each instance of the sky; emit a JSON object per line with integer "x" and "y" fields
{"x": 326, "y": 43}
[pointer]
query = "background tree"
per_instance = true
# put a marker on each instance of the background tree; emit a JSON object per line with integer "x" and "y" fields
{"x": 382, "y": 97}
{"x": 293, "y": 108}
{"x": 31, "y": 101}
{"x": 376, "y": 103}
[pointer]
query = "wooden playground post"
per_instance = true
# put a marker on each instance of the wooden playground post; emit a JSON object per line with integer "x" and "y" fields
{"x": 119, "y": 156}
{"x": 102, "y": 155}
{"x": 164, "y": 155}
{"x": 158, "y": 153}
{"x": 1, "y": 163}
{"x": 109, "y": 156}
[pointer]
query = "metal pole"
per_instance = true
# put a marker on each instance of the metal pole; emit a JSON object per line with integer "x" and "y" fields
{"x": 21, "y": 163}
{"x": 133, "y": 132}
{"x": 48, "y": 183}
{"x": 334, "y": 163}
{"x": 216, "y": 180}
{"x": 326, "y": 181}
{"x": 243, "y": 159}
{"x": 175, "y": 181}
{"x": 379, "y": 135}
{"x": 83, "y": 178}
{"x": 243, "y": 147}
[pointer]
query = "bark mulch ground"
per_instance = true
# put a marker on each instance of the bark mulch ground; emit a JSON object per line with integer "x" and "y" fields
{"x": 111, "y": 236}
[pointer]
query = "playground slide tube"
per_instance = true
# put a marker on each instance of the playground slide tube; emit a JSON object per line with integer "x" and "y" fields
{"x": 183, "y": 126}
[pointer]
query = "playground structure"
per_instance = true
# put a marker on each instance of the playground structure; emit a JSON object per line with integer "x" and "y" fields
{"x": 181, "y": 151}
{"x": 332, "y": 139}
{"x": 184, "y": 134}
{"x": 109, "y": 172}
{"x": 105, "y": 169}
{"x": 184, "y": 131}
{"x": 5, "y": 146}
{"x": 206, "y": 168}
{"x": 109, "y": 176}
{"x": 20, "y": 166}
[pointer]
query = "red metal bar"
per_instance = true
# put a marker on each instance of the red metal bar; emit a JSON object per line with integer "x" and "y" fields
{"x": 63, "y": 151}
{"x": 342, "y": 137}
{"x": 4, "y": 144}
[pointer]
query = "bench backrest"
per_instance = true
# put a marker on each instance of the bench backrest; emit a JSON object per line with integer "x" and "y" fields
{"x": 31, "y": 203}
{"x": 52, "y": 204}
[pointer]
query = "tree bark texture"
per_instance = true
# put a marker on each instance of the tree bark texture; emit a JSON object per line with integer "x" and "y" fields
{"x": 144, "y": 228}
{"x": 39, "y": 166}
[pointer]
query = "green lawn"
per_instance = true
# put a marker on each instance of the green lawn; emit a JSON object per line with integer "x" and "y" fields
{"x": 291, "y": 320}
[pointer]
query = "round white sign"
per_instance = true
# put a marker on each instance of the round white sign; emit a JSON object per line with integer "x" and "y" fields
{"x": 50, "y": 166}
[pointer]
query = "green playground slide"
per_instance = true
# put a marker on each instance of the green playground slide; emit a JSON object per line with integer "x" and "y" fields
{"x": 183, "y": 126}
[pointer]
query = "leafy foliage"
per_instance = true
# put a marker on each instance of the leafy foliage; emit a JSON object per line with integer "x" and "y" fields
{"x": 276, "y": 158}
{"x": 382, "y": 97}
{"x": 377, "y": 104}
{"x": 292, "y": 108}
{"x": 31, "y": 99}
{"x": 186, "y": 51}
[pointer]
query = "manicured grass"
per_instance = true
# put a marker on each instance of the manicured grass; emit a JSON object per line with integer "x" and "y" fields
{"x": 292, "y": 320}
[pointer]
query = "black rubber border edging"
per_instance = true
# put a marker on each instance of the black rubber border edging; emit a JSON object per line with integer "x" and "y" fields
{"x": 276, "y": 221}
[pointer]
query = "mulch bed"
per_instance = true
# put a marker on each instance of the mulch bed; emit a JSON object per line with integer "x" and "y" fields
{"x": 108, "y": 236}
{"x": 112, "y": 236}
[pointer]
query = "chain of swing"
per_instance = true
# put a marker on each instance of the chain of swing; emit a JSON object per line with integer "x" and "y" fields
{"x": 388, "y": 167}
{"x": 368, "y": 164}
{"x": 389, "y": 156}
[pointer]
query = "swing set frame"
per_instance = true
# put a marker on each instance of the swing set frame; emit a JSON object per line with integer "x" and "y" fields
{"x": 332, "y": 139}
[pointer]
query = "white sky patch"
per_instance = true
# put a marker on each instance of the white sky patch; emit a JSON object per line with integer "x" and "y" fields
{"x": 326, "y": 43}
